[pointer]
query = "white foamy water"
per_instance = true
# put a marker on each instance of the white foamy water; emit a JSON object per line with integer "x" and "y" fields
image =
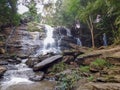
{"x": 19, "y": 75}
{"x": 14, "y": 81}
{"x": 79, "y": 42}
{"x": 48, "y": 42}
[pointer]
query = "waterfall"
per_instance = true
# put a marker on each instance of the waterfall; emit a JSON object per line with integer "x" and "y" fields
{"x": 104, "y": 40}
{"x": 49, "y": 42}
{"x": 79, "y": 42}
{"x": 68, "y": 32}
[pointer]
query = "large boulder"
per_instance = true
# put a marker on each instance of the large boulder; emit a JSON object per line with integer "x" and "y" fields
{"x": 32, "y": 61}
{"x": 2, "y": 70}
{"x": 37, "y": 77}
{"x": 46, "y": 62}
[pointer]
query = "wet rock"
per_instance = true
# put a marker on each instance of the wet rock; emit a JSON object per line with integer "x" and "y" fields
{"x": 2, "y": 70}
{"x": 11, "y": 67}
{"x": 68, "y": 59}
{"x": 15, "y": 46}
{"x": 13, "y": 61}
{"x": 37, "y": 77}
{"x": 69, "y": 39}
{"x": 3, "y": 63}
{"x": 32, "y": 61}
{"x": 18, "y": 59}
{"x": 2, "y": 51}
{"x": 60, "y": 30}
{"x": 46, "y": 62}
{"x": 22, "y": 56}
{"x": 9, "y": 56}
{"x": 65, "y": 42}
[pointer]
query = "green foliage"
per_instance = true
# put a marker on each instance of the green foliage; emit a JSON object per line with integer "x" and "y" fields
{"x": 67, "y": 81}
{"x": 32, "y": 13}
{"x": 8, "y": 12}
{"x": 33, "y": 26}
{"x": 84, "y": 68}
{"x": 116, "y": 37}
{"x": 99, "y": 63}
{"x": 91, "y": 78}
{"x": 68, "y": 11}
{"x": 61, "y": 66}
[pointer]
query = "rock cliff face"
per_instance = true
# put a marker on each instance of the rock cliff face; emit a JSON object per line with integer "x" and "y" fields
{"x": 83, "y": 33}
{"x": 63, "y": 37}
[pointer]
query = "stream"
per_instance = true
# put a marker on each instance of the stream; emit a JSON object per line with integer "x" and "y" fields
{"x": 17, "y": 76}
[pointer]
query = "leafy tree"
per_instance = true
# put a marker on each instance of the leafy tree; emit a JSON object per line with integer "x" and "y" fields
{"x": 31, "y": 5}
{"x": 88, "y": 10}
{"x": 8, "y": 12}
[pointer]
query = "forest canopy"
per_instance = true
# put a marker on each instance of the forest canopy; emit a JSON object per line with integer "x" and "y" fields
{"x": 100, "y": 15}
{"x": 8, "y": 12}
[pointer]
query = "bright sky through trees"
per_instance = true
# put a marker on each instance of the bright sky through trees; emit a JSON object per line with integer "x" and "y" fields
{"x": 22, "y": 8}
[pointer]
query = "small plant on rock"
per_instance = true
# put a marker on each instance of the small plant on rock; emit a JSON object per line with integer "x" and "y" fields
{"x": 91, "y": 78}
{"x": 61, "y": 66}
{"x": 98, "y": 64}
{"x": 84, "y": 68}
{"x": 67, "y": 81}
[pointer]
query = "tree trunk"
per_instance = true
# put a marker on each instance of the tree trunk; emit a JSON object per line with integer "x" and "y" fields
{"x": 90, "y": 25}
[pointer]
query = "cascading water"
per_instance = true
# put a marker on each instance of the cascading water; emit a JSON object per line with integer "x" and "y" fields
{"x": 49, "y": 42}
{"x": 104, "y": 40}
{"x": 68, "y": 32}
{"x": 64, "y": 38}
{"x": 18, "y": 75}
{"x": 30, "y": 41}
{"x": 79, "y": 42}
